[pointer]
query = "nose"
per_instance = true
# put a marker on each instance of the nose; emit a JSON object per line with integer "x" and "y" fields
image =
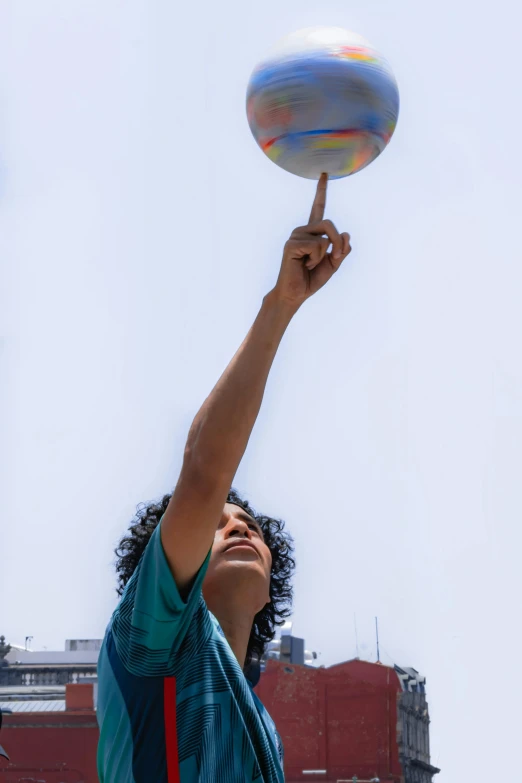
{"x": 236, "y": 527}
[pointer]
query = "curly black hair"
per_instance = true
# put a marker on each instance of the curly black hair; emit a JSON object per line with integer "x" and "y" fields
{"x": 280, "y": 543}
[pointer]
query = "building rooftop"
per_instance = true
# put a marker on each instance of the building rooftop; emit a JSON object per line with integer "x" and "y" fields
{"x": 31, "y": 692}
{"x": 52, "y": 657}
{"x": 77, "y": 652}
{"x": 48, "y": 705}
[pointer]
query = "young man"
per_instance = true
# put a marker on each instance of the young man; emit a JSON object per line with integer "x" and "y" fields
{"x": 204, "y": 580}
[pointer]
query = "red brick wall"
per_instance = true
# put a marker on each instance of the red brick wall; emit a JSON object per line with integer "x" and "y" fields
{"x": 342, "y": 719}
{"x": 52, "y": 747}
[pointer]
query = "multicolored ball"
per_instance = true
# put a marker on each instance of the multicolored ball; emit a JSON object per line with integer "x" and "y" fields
{"x": 323, "y": 100}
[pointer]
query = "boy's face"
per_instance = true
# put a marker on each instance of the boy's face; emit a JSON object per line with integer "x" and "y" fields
{"x": 240, "y": 563}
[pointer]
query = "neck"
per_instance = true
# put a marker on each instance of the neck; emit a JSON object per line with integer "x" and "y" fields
{"x": 237, "y": 627}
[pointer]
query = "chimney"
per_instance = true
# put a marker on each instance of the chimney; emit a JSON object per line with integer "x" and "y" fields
{"x": 79, "y": 696}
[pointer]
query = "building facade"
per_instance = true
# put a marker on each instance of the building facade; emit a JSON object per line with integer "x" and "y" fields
{"x": 20, "y": 668}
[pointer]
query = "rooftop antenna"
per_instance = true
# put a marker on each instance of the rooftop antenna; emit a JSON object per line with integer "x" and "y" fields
{"x": 377, "y": 635}
{"x": 356, "y": 637}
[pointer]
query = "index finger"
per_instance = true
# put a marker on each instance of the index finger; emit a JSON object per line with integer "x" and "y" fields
{"x": 319, "y": 205}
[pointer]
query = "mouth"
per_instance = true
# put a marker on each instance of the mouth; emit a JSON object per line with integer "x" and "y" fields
{"x": 241, "y": 542}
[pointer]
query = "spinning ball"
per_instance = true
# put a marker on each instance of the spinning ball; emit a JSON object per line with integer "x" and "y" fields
{"x": 323, "y": 100}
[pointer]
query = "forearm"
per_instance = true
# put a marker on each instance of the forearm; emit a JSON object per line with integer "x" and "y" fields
{"x": 220, "y": 432}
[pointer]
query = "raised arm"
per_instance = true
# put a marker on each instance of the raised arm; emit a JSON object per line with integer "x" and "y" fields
{"x": 220, "y": 432}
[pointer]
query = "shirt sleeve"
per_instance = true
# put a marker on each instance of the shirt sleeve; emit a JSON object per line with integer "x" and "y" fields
{"x": 151, "y": 620}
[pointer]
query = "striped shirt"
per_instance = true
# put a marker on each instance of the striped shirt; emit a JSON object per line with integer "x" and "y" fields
{"x": 173, "y": 703}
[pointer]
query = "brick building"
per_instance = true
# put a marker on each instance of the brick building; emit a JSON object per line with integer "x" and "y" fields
{"x": 50, "y": 740}
{"x": 352, "y": 720}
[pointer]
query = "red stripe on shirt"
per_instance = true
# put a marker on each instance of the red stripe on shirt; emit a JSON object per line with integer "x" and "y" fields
{"x": 171, "y": 734}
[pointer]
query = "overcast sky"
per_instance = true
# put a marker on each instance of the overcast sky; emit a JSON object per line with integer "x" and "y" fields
{"x": 140, "y": 227}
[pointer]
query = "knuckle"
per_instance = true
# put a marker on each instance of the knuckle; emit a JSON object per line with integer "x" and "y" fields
{"x": 290, "y": 247}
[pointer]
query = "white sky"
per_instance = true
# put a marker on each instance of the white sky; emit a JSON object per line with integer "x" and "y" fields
{"x": 140, "y": 227}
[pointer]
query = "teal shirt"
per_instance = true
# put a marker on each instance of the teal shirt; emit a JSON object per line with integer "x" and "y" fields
{"x": 173, "y": 703}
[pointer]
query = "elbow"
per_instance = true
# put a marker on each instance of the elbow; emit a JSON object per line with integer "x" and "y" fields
{"x": 203, "y": 473}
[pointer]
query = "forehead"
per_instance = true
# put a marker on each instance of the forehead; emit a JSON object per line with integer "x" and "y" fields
{"x": 237, "y": 511}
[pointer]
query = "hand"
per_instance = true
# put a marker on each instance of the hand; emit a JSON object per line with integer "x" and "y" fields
{"x": 307, "y": 265}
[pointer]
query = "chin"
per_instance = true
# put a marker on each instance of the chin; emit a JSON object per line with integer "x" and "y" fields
{"x": 247, "y": 567}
